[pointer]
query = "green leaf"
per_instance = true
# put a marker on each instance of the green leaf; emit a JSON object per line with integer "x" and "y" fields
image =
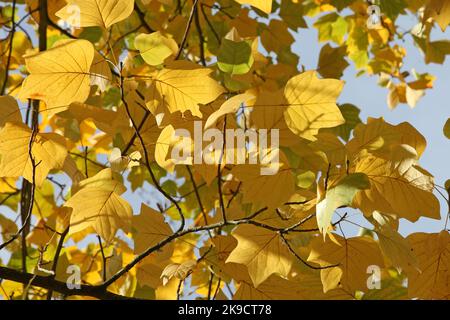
{"x": 235, "y": 57}
{"x": 351, "y": 115}
{"x": 93, "y": 34}
{"x": 341, "y": 194}
{"x": 331, "y": 27}
{"x": 155, "y": 48}
{"x": 392, "y": 8}
{"x": 306, "y": 179}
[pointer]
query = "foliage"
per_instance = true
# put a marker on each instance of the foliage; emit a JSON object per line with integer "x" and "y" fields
{"x": 92, "y": 97}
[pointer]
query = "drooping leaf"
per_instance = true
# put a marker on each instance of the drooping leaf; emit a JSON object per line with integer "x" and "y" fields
{"x": 433, "y": 254}
{"x": 341, "y": 194}
{"x": 98, "y": 205}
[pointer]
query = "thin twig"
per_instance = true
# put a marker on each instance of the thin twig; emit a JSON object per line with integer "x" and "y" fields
{"x": 103, "y": 256}
{"x": 8, "y": 61}
{"x": 186, "y": 31}
{"x": 200, "y": 36}
{"x": 219, "y": 172}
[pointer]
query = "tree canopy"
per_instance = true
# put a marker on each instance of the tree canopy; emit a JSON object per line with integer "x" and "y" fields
{"x": 94, "y": 203}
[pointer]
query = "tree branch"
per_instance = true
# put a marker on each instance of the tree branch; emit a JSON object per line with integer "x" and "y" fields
{"x": 8, "y": 61}
{"x": 47, "y": 282}
{"x": 186, "y": 31}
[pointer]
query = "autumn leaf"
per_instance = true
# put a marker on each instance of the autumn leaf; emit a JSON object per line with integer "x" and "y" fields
{"x": 48, "y": 150}
{"x": 235, "y": 57}
{"x": 273, "y": 190}
{"x": 260, "y": 247}
{"x": 341, "y": 194}
{"x": 312, "y": 104}
{"x": 447, "y": 128}
{"x": 155, "y": 47}
{"x": 332, "y": 62}
{"x": 433, "y": 253}
{"x": 9, "y": 111}
{"x": 405, "y": 192}
{"x": 263, "y": 5}
{"x": 351, "y": 274}
{"x": 60, "y": 75}
{"x": 185, "y": 87}
{"x": 178, "y": 271}
{"x": 394, "y": 246}
{"x": 98, "y": 204}
{"x": 150, "y": 229}
{"x": 228, "y": 107}
{"x": 440, "y": 11}
{"x": 117, "y": 97}
{"x": 89, "y": 13}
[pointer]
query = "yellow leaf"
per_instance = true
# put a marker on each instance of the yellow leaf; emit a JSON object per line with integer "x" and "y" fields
{"x": 433, "y": 253}
{"x": 178, "y": 271}
{"x": 262, "y": 251}
{"x": 331, "y": 146}
{"x": 396, "y": 248}
{"x": 155, "y": 47}
{"x": 7, "y": 227}
{"x": 404, "y": 191}
{"x": 304, "y": 287}
{"x": 48, "y": 150}
{"x": 169, "y": 291}
{"x": 100, "y": 73}
{"x": 40, "y": 235}
{"x": 184, "y": 86}
{"x": 272, "y": 289}
{"x": 312, "y": 104}
{"x": 379, "y": 137}
{"x": 150, "y": 229}
{"x": 60, "y": 75}
{"x": 353, "y": 256}
{"x": 120, "y": 163}
{"x": 263, "y": 5}
{"x": 9, "y": 110}
{"x": 440, "y": 11}
{"x": 165, "y": 140}
{"x": 230, "y": 106}
{"x": 268, "y": 113}
{"x": 273, "y": 190}
{"x": 218, "y": 255}
{"x": 91, "y": 13}
{"x": 98, "y": 204}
